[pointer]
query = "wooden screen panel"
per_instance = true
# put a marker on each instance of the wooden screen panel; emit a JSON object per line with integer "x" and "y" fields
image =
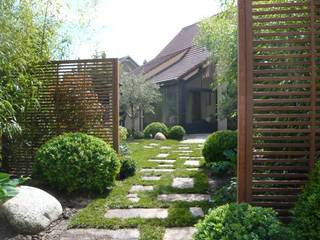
{"x": 75, "y": 96}
{"x": 279, "y": 46}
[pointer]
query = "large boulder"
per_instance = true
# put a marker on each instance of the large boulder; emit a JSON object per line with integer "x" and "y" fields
{"x": 160, "y": 136}
{"x": 31, "y": 211}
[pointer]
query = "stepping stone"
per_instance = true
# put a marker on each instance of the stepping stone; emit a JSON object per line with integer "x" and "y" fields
{"x": 146, "y": 213}
{"x": 133, "y": 197}
{"x": 147, "y": 147}
{"x": 183, "y": 151}
{"x": 165, "y": 147}
{"x": 184, "y": 233}
{"x": 192, "y": 163}
{"x": 156, "y": 170}
{"x": 161, "y": 161}
{"x": 184, "y": 157}
{"x": 140, "y": 188}
{"x": 184, "y": 148}
{"x": 192, "y": 169}
{"x": 153, "y": 144}
{"x": 166, "y": 166}
{"x": 183, "y": 183}
{"x": 162, "y": 155}
{"x": 196, "y": 212}
{"x": 101, "y": 234}
{"x": 184, "y": 197}
{"x": 151, "y": 178}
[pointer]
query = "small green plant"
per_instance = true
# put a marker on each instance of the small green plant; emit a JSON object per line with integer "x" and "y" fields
{"x": 306, "y": 221}
{"x": 123, "y": 133}
{"x": 241, "y": 222}
{"x": 128, "y": 168}
{"x": 217, "y": 151}
{"x": 77, "y": 162}
{"x": 153, "y": 128}
{"x": 8, "y": 186}
{"x": 226, "y": 194}
{"x": 123, "y": 149}
{"x": 138, "y": 135}
{"x": 177, "y": 132}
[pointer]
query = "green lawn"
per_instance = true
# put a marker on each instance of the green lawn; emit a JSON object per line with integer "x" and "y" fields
{"x": 93, "y": 215}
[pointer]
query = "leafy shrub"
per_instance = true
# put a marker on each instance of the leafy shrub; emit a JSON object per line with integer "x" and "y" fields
{"x": 153, "y": 128}
{"x": 8, "y": 186}
{"x": 225, "y": 167}
{"x": 128, "y": 168}
{"x": 77, "y": 162}
{"x": 123, "y": 149}
{"x": 226, "y": 194}
{"x": 138, "y": 135}
{"x": 241, "y": 222}
{"x": 123, "y": 133}
{"x": 177, "y": 132}
{"x": 216, "y": 149}
{"x": 307, "y": 210}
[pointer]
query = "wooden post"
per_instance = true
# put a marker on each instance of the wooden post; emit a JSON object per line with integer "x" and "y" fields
{"x": 115, "y": 102}
{"x": 244, "y": 176}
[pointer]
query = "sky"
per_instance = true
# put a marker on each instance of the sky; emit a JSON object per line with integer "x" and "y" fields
{"x": 139, "y": 28}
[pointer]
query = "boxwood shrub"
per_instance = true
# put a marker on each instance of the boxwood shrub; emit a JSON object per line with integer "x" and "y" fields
{"x": 241, "y": 222}
{"x": 77, "y": 162}
{"x": 307, "y": 210}
{"x": 128, "y": 167}
{"x": 215, "y": 149}
{"x": 153, "y": 128}
{"x": 177, "y": 132}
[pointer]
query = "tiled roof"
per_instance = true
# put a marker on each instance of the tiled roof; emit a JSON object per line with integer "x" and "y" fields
{"x": 183, "y": 42}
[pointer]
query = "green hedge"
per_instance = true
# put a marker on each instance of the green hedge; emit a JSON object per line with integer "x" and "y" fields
{"x": 241, "y": 222}
{"x": 177, "y": 132}
{"x": 307, "y": 210}
{"x": 123, "y": 133}
{"x": 77, "y": 162}
{"x": 128, "y": 167}
{"x": 153, "y": 128}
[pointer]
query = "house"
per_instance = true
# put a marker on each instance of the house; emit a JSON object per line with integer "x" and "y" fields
{"x": 127, "y": 64}
{"x": 184, "y": 73}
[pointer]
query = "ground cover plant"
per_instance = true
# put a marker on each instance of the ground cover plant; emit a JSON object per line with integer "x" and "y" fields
{"x": 77, "y": 162}
{"x": 178, "y": 212}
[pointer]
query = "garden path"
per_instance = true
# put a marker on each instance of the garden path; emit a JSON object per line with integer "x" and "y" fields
{"x": 163, "y": 201}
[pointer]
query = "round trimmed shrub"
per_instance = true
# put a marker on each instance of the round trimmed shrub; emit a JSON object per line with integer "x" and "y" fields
{"x": 77, "y": 162}
{"x": 306, "y": 213}
{"x": 177, "y": 132}
{"x": 123, "y": 133}
{"x": 217, "y": 143}
{"x": 153, "y": 128}
{"x": 128, "y": 168}
{"x": 241, "y": 222}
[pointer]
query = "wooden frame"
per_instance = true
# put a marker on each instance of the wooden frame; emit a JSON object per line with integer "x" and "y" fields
{"x": 75, "y": 95}
{"x": 279, "y": 100}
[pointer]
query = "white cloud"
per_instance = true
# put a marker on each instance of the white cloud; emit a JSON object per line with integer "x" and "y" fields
{"x": 141, "y": 28}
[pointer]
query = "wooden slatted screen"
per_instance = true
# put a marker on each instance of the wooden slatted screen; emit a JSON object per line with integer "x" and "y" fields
{"x": 279, "y": 96}
{"x": 80, "y": 95}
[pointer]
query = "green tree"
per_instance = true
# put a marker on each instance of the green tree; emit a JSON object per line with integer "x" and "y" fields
{"x": 138, "y": 94}
{"x": 219, "y": 35}
{"x": 28, "y": 33}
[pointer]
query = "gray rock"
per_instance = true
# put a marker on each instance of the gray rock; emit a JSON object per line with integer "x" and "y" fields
{"x": 196, "y": 211}
{"x": 160, "y": 136}
{"x": 31, "y": 211}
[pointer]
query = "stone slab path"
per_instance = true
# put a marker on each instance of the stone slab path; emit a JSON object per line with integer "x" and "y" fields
{"x": 146, "y": 213}
{"x": 179, "y": 233}
{"x": 101, "y": 234}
